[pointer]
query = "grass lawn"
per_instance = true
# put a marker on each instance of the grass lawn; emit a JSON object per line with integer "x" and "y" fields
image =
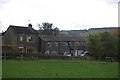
{"x": 58, "y": 69}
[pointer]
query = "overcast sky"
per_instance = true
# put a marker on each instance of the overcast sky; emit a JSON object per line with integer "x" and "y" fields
{"x": 64, "y": 14}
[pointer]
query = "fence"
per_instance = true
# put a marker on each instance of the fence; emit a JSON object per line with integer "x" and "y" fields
{"x": 28, "y": 56}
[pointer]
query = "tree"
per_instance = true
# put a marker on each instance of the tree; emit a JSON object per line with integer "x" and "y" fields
{"x": 103, "y": 44}
{"x": 56, "y": 31}
{"x": 93, "y": 45}
{"x": 116, "y": 35}
{"x": 47, "y": 29}
{"x": 107, "y": 45}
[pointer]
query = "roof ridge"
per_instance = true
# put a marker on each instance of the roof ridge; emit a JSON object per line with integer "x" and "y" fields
{"x": 22, "y": 29}
{"x": 18, "y": 26}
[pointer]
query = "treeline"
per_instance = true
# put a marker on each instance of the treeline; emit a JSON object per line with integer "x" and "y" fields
{"x": 104, "y": 44}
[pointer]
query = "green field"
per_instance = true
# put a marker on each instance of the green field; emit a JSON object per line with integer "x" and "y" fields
{"x": 59, "y": 69}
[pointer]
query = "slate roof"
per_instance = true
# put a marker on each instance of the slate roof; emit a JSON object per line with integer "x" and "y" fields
{"x": 61, "y": 38}
{"x": 21, "y": 30}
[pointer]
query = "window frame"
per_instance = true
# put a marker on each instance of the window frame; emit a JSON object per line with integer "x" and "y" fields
{"x": 30, "y": 39}
{"x": 49, "y": 44}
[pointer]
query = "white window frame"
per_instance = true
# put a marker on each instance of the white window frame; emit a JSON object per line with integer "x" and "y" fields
{"x": 21, "y": 48}
{"x": 20, "y": 38}
{"x": 29, "y": 38}
{"x": 49, "y": 44}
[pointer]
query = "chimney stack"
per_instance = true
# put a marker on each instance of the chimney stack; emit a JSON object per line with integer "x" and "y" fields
{"x": 30, "y": 25}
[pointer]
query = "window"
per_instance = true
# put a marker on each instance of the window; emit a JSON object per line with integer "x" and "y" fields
{"x": 77, "y": 43}
{"x": 29, "y": 39}
{"x": 49, "y": 44}
{"x": 21, "y": 38}
{"x": 47, "y": 52}
{"x": 56, "y": 44}
{"x": 70, "y": 43}
{"x": 29, "y": 50}
{"x": 21, "y": 49}
{"x": 65, "y": 43}
{"x": 82, "y": 43}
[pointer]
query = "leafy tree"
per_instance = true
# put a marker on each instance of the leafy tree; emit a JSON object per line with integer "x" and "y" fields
{"x": 56, "y": 31}
{"x": 104, "y": 44}
{"x": 116, "y": 35}
{"x": 107, "y": 45}
{"x": 118, "y": 42}
{"x": 47, "y": 29}
{"x": 93, "y": 45}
